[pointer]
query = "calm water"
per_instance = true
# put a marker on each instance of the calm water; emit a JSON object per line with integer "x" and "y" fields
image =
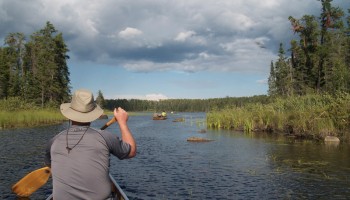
{"x": 233, "y": 166}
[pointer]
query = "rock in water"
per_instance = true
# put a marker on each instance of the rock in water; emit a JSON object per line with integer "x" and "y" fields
{"x": 331, "y": 139}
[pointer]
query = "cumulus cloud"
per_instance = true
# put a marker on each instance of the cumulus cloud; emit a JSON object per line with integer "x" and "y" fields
{"x": 156, "y": 97}
{"x": 150, "y": 97}
{"x": 184, "y": 35}
{"x": 129, "y": 33}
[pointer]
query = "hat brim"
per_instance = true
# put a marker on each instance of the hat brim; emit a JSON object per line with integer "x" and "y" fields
{"x": 74, "y": 115}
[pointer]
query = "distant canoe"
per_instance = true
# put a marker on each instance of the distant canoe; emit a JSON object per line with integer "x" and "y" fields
{"x": 159, "y": 118}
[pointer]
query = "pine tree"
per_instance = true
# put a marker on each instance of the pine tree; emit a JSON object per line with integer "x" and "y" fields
{"x": 47, "y": 58}
{"x": 4, "y": 73}
{"x": 61, "y": 87}
{"x": 329, "y": 63}
{"x": 100, "y": 100}
{"x": 283, "y": 74}
{"x": 272, "y": 81}
{"x": 14, "y": 56}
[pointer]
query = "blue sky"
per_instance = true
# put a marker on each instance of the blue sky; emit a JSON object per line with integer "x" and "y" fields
{"x": 156, "y": 49}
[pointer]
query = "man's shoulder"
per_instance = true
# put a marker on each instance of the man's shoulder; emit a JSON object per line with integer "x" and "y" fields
{"x": 105, "y": 133}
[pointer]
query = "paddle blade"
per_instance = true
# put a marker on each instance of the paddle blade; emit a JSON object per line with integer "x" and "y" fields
{"x": 31, "y": 182}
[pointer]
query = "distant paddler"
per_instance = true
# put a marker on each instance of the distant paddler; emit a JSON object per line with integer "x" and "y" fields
{"x": 163, "y": 114}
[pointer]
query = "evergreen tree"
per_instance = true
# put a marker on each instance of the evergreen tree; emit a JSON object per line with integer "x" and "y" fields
{"x": 47, "y": 58}
{"x": 15, "y": 53}
{"x": 297, "y": 62}
{"x": 272, "y": 81}
{"x": 61, "y": 88}
{"x": 4, "y": 73}
{"x": 100, "y": 100}
{"x": 283, "y": 74}
{"x": 319, "y": 61}
{"x": 329, "y": 65}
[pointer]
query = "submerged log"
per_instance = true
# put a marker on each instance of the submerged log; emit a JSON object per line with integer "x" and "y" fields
{"x": 179, "y": 120}
{"x": 331, "y": 139}
{"x": 197, "y": 139}
{"x": 202, "y": 131}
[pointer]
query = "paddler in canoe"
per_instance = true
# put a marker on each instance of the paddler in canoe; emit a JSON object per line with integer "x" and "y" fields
{"x": 164, "y": 114}
{"x": 79, "y": 156}
{"x": 160, "y": 116}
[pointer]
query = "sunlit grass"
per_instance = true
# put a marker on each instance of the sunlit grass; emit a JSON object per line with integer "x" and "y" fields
{"x": 29, "y": 118}
{"x": 314, "y": 116}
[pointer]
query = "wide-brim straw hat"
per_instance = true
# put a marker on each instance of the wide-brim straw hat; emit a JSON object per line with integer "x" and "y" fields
{"x": 82, "y": 108}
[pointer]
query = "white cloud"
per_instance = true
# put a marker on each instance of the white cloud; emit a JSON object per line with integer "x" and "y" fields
{"x": 236, "y": 21}
{"x": 129, "y": 33}
{"x": 181, "y": 37}
{"x": 156, "y": 97}
{"x": 150, "y": 97}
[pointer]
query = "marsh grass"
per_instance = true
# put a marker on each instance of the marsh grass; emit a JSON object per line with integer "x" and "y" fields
{"x": 311, "y": 116}
{"x": 29, "y": 118}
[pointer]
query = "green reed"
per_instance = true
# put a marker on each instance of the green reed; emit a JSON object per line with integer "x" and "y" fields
{"x": 314, "y": 116}
{"x": 29, "y": 118}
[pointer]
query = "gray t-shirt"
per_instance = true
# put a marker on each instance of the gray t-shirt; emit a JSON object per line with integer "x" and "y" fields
{"x": 82, "y": 173}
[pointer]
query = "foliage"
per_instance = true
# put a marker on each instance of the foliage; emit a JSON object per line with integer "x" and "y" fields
{"x": 29, "y": 118}
{"x": 36, "y": 70}
{"x": 313, "y": 116}
{"x": 16, "y": 104}
{"x": 319, "y": 61}
{"x": 100, "y": 100}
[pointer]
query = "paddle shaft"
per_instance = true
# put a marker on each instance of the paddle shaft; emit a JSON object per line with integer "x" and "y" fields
{"x": 109, "y": 123}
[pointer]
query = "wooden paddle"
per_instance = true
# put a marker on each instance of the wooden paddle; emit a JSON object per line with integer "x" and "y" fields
{"x": 35, "y": 179}
{"x": 31, "y": 182}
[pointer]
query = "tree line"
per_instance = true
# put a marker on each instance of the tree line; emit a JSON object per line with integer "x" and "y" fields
{"x": 35, "y": 70}
{"x": 319, "y": 57}
{"x": 181, "y": 105}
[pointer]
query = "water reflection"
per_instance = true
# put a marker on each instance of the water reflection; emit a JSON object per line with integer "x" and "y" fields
{"x": 233, "y": 166}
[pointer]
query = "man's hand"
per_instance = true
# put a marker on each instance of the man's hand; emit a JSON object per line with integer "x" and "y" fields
{"x": 121, "y": 116}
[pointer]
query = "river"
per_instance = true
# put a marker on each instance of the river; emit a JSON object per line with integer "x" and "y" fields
{"x": 232, "y": 166}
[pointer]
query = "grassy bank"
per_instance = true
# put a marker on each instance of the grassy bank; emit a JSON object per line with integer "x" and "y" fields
{"x": 15, "y": 113}
{"x": 29, "y": 118}
{"x": 312, "y": 116}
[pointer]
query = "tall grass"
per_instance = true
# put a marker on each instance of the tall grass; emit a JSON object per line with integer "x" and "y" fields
{"x": 312, "y": 116}
{"x": 29, "y": 118}
{"x": 18, "y": 113}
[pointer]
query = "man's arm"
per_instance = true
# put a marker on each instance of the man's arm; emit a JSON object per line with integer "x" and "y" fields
{"x": 122, "y": 118}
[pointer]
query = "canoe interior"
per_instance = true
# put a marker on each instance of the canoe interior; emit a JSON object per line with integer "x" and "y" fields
{"x": 116, "y": 189}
